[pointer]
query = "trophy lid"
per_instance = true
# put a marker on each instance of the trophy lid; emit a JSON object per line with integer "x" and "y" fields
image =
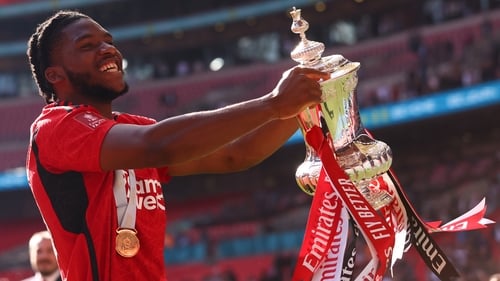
{"x": 308, "y": 53}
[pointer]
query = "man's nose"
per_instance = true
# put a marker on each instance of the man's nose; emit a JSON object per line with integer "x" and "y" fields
{"x": 107, "y": 48}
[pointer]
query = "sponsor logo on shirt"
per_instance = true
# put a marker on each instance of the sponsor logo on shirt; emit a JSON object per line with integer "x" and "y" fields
{"x": 149, "y": 194}
{"x": 90, "y": 119}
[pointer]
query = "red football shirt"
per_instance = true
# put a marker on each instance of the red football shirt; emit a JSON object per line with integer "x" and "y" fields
{"x": 76, "y": 200}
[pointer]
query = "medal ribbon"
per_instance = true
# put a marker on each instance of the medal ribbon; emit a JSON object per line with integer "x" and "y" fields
{"x": 125, "y": 211}
{"x": 127, "y": 244}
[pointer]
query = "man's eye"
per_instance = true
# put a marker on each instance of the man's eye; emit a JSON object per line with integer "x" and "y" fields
{"x": 86, "y": 46}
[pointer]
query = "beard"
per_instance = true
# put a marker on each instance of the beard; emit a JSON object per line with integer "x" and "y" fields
{"x": 95, "y": 92}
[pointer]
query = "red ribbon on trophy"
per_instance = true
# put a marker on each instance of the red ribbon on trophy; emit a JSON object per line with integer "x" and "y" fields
{"x": 324, "y": 235}
{"x": 374, "y": 228}
{"x": 323, "y": 248}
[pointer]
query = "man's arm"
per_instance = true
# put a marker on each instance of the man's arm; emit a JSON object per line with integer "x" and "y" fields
{"x": 243, "y": 153}
{"x": 193, "y": 136}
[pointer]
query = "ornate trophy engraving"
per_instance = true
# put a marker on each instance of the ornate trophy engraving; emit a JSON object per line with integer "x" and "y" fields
{"x": 360, "y": 156}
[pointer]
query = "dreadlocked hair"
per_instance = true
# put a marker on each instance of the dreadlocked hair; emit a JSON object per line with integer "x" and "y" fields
{"x": 41, "y": 45}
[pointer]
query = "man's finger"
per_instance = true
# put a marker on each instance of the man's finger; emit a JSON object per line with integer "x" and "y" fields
{"x": 315, "y": 74}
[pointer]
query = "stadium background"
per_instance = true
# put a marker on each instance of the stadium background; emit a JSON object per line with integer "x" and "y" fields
{"x": 428, "y": 87}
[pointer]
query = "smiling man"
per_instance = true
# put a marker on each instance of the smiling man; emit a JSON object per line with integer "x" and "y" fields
{"x": 97, "y": 175}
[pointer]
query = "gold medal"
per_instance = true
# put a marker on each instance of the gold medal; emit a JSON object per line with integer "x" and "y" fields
{"x": 127, "y": 243}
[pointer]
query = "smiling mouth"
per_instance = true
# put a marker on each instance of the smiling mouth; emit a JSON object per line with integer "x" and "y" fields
{"x": 109, "y": 67}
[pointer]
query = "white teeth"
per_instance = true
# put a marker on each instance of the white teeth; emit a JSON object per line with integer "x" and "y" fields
{"x": 109, "y": 67}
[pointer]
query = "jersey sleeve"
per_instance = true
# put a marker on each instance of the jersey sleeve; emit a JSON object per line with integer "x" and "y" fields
{"x": 71, "y": 141}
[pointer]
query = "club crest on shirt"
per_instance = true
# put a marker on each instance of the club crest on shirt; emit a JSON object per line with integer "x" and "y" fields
{"x": 90, "y": 119}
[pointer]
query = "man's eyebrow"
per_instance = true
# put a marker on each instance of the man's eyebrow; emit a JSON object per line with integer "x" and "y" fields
{"x": 82, "y": 37}
{"x": 106, "y": 35}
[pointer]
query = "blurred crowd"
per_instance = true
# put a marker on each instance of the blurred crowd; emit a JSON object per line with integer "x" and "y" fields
{"x": 436, "y": 66}
{"x": 433, "y": 65}
{"x": 441, "y": 66}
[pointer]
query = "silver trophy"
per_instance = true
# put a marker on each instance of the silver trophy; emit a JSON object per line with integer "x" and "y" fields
{"x": 360, "y": 156}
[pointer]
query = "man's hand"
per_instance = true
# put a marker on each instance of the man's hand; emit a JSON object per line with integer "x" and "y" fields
{"x": 298, "y": 89}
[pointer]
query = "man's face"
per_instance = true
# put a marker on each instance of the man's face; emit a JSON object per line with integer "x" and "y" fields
{"x": 93, "y": 65}
{"x": 45, "y": 258}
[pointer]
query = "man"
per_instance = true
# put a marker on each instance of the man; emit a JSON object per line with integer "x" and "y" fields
{"x": 42, "y": 258}
{"x": 83, "y": 157}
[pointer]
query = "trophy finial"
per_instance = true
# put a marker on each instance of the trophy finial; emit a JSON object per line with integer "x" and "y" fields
{"x": 298, "y": 25}
{"x": 295, "y": 13}
{"x": 306, "y": 52}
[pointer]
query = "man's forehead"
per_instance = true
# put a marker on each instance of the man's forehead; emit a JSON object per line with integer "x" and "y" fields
{"x": 44, "y": 242}
{"x": 82, "y": 28}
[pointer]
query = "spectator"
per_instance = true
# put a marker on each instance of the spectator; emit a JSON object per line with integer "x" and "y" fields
{"x": 42, "y": 258}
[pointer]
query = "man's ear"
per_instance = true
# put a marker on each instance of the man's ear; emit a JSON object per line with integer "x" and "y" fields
{"x": 54, "y": 74}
